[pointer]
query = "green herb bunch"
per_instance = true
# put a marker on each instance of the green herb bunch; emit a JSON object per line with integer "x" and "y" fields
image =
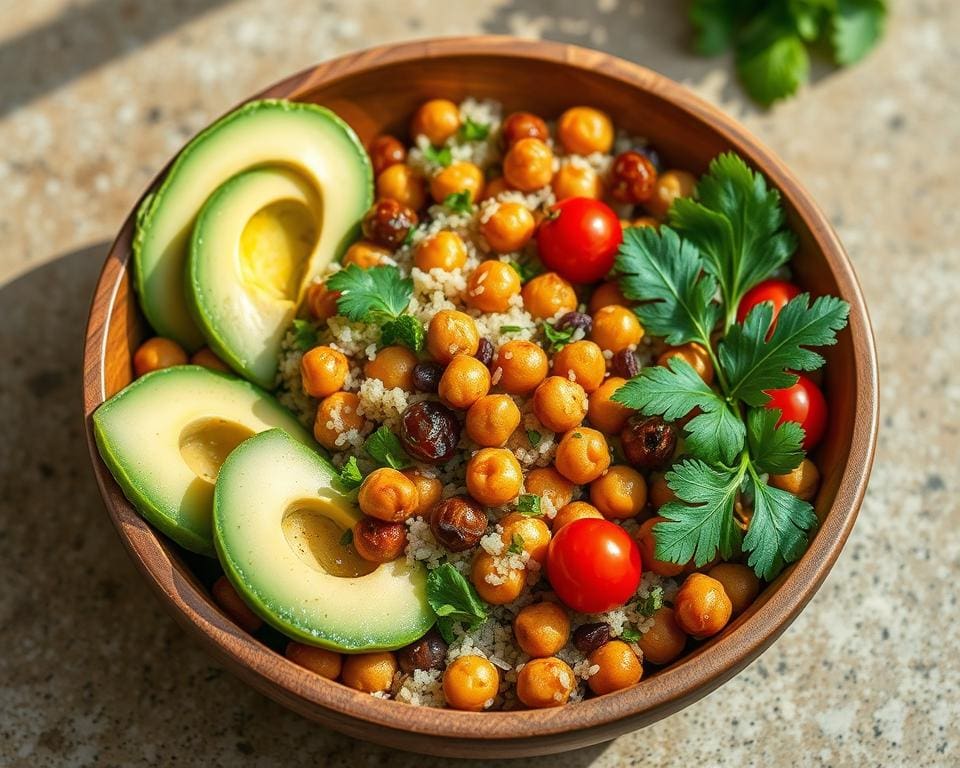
{"x": 690, "y": 277}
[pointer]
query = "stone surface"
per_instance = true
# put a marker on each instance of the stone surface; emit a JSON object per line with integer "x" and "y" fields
{"x": 96, "y": 95}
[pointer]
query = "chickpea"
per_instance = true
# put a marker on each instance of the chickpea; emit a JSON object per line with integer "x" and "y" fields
{"x": 528, "y": 165}
{"x": 664, "y": 641}
{"x": 584, "y": 130}
{"x": 494, "y": 476}
{"x": 337, "y": 414}
{"x": 533, "y": 531}
{"x": 522, "y": 125}
{"x": 658, "y": 492}
{"x": 541, "y": 629}
{"x": 232, "y": 604}
{"x": 605, "y": 413}
{"x": 321, "y": 303}
{"x": 669, "y": 187}
{"x": 576, "y": 181}
{"x": 619, "y": 668}
{"x": 575, "y": 510}
{"x": 494, "y": 188}
{"x": 444, "y": 250}
{"x": 559, "y": 404}
{"x": 404, "y": 184}
{"x": 582, "y": 362}
{"x": 492, "y": 285}
{"x": 385, "y": 151}
{"x": 457, "y": 177}
{"x": 323, "y": 371}
{"x": 206, "y": 357}
{"x": 509, "y": 227}
{"x": 369, "y": 672}
{"x": 470, "y": 683}
{"x": 545, "y": 683}
{"x": 387, "y": 494}
{"x": 645, "y": 221}
{"x": 504, "y": 587}
{"x": 319, "y": 660}
{"x": 739, "y": 582}
{"x": 522, "y": 365}
{"x": 388, "y": 222}
{"x": 634, "y": 178}
{"x": 606, "y": 294}
{"x": 646, "y": 540}
{"x": 379, "y": 541}
{"x": 464, "y": 381}
{"x": 619, "y": 494}
{"x": 157, "y": 353}
{"x": 451, "y": 333}
{"x": 492, "y": 419}
{"x": 458, "y": 523}
{"x": 695, "y": 355}
{"x": 393, "y": 366}
{"x": 550, "y": 484}
{"x": 702, "y": 606}
{"x": 802, "y": 481}
{"x": 365, "y": 255}
{"x": 548, "y": 294}
{"x": 437, "y": 119}
{"x": 616, "y": 328}
{"x": 429, "y": 490}
{"x": 582, "y": 455}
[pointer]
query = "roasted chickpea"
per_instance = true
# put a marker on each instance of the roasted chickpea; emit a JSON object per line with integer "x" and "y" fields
{"x": 584, "y": 130}
{"x": 429, "y": 431}
{"x": 522, "y": 125}
{"x": 387, "y": 494}
{"x": 633, "y": 178}
{"x": 451, "y": 333}
{"x": 695, "y": 355}
{"x": 470, "y": 683}
{"x": 616, "y": 328}
{"x": 455, "y": 178}
{"x": 157, "y": 353}
{"x": 669, "y": 187}
{"x": 393, "y": 366}
{"x": 404, "y": 184}
{"x": 387, "y": 223}
{"x": 494, "y": 188}
{"x": 464, "y": 381}
{"x": 619, "y": 494}
{"x": 429, "y": 652}
{"x": 458, "y": 523}
{"x": 318, "y": 660}
{"x": 323, "y": 371}
{"x": 606, "y": 294}
{"x": 509, "y": 227}
{"x": 739, "y": 582}
{"x": 229, "y": 599}
{"x": 582, "y": 455}
{"x": 365, "y": 255}
{"x": 605, "y": 413}
{"x": 545, "y": 683}
{"x": 802, "y": 481}
{"x": 645, "y": 221}
{"x": 429, "y": 490}
{"x": 646, "y": 540}
{"x": 664, "y": 641}
{"x": 528, "y": 165}
{"x": 379, "y": 541}
{"x": 658, "y": 492}
{"x": 619, "y": 668}
{"x": 551, "y": 485}
{"x": 492, "y": 285}
{"x": 369, "y": 672}
{"x": 575, "y": 510}
{"x": 702, "y": 607}
{"x": 582, "y": 362}
{"x": 492, "y": 419}
{"x": 522, "y": 366}
{"x": 574, "y": 180}
{"x": 559, "y": 404}
{"x": 493, "y": 586}
{"x": 532, "y": 530}
{"x": 321, "y": 303}
{"x": 548, "y": 294}
{"x": 206, "y": 358}
{"x": 437, "y": 119}
{"x": 494, "y": 476}
{"x": 541, "y": 629}
{"x": 444, "y": 250}
{"x": 385, "y": 151}
{"x": 337, "y": 414}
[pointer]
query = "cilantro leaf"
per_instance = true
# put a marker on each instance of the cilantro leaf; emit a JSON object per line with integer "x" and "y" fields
{"x": 370, "y": 295}
{"x": 773, "y": 62}
{"x": 516, "y": 544}
{"x": 557, "y": 337}
{"x": 459, "y": 202}
{"x": 778, "y": 531}
{"x": 630, "y": 634}
{"x": 534, "y": 437}
{"x": 442, "y": 156}
{"x": 652, "y": 602}
{"x": 666, "y": 273}
{"x": 753, "y": 363}
{"x": 453, "y": 599}
{"x": 473, "y": 131}
{"x": 717, "y": 21}
{"x": 349, "y": 478}
{"x": 405, "y": 330}
{"x": 304, "y": 335}
{"x": 524, "y": 269}
{"x": 528, "y": 505}
{"x": 773, "y": 449}
{"x": 385, "y": 448}
{"x": 857, "y": 27}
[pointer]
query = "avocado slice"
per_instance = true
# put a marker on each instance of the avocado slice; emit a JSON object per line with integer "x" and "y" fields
{"x": 309, "y": 139}
{"x": 165, "y": 436}
{"x": 278, "y": 529}
{"x": 253, "y": 245}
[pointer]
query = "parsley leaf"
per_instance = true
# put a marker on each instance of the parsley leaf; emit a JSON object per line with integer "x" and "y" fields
{"x": 652, "y": 602}
{"x": 778, "y": 529}
{"x": 557, "y": 337}
{"x": 857, "y": 27}
{"x": 454, "y": 600}
{"x": 534, "y": 437}
{"x": 773, "y": 449}
{"x": 630, "y": 634}
{"x": 385, "y": 448}
{"x": 516, "y": 544}
{"x": 526, "y": 270}
{"x": 304, "y": 335}
{"x": 459, "y": 202}
{"x": 442, "y": 156}
{"x": 772, "y": 60}
{"x": 717, "y": 21}
{"x": 371, "y": 295}
{"x": 405, "y": 330}
{"x": 528, "y": 505}
{"x": 473, "y": 131}
{"x": 349, "y": 478}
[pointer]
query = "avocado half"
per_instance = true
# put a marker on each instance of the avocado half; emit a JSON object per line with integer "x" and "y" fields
{"x": 279, "y": 533}
{"x": 307, "y": 139}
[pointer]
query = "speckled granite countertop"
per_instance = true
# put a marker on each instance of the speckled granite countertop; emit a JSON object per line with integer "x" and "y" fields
{"x": 94, "y": 97}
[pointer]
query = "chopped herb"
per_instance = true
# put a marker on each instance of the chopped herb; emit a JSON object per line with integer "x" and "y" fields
{"x": 473, "y": 131}
{"x": 524, "y": 269}
{"x": 459, "y": 202}
{"x": 442, "y": 156}
{"x": 408, "y": 240}
{"x": 349, "y": 478}
{"x": 304, "y": 335}
{"x": 558, "y": 337}
{"x": 516, "y": 544}
{"x": 528, "y": 505}
{"x": 347, "y": 538}
{"x": 405, "y": 330}
{"x": 577, "y": 436}
{"x": 510, "y": 328}
{"x": 534, "y": 437}
{"x": 652, "y": 602}
{"x": 630, "y": 634}
{"x": 385, "y": 448}
{"x": 454, "y": 600}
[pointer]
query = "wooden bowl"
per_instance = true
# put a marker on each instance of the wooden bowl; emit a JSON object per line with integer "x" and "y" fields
{"x": 377, "y": 91}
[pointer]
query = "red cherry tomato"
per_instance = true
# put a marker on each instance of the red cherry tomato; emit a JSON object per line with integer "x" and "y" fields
{"x": 579, "y": 239}
{"x": 593, "y": 565}
{"x": 777, "y": 292}
{"x": 803, "y": 403}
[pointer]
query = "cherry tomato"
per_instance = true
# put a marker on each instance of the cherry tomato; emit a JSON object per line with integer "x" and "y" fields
{"x": 579, "y": 239}
{"x": 777, "y": 292}
{"x": 593, "y": 565}
{"x": 805, "y": 404}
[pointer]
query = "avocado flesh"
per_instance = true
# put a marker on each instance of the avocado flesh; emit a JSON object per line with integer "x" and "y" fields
{"x": 308, "y": 139}
{"x": 254, "y": 243}
{"x": 165, "y": 436}
{"x": 277, "y": 535}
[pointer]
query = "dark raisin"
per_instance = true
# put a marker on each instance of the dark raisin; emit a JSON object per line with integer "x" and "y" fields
{"x": 648, "y": 442}
{"x": 588, "y": 637}
{"x": 388, "y": 223}
{"x": 429, "y": 652}
{"x": 624, "y": 364}
{"x": 522, "y": 125}
{"x": 633, "y": 178}
{"x": 573, "y": 320}
{"x": 386, "y": 150}
{"x": 426, "y": 376}
{"x": 430, "y": 432}
{"x": 458, "y": 523}
{"x": 485, "y": 352}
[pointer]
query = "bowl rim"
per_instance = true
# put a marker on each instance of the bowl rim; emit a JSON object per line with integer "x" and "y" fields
{"x": 699, "y": 672}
